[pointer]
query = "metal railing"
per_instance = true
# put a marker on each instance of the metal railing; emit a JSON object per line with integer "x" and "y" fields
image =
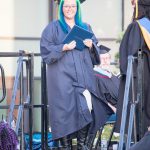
{"x": 129, "y": 87}
{"x": 28, "y": 58}
{"x": 3, "y": 84}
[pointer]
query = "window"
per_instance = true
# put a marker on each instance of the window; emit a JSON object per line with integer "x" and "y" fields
{"x": 105, "y": 17}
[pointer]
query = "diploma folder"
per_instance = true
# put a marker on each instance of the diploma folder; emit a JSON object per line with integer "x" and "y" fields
{"x": 78, "y": 34}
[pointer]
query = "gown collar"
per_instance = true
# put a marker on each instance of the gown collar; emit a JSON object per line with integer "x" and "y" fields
{"x": 102, "y": 71}
{"x": 144, "y": 25}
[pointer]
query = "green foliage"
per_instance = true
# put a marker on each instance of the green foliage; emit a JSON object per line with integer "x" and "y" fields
{"x": 106, "y": 133}
{"x": 120, "y": 36}
{"x": 117, "y": 56}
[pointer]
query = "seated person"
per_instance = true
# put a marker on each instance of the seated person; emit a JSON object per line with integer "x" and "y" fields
{"x": 107, "y": 87}
{"x": 108, "y": 83}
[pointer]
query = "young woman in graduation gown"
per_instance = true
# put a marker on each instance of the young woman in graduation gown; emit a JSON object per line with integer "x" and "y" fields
{"x": 137, "y": 36}
{"x": 70, "y": 78}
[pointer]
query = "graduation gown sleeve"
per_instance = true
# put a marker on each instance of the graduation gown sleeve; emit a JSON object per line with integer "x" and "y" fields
{"x": 94, "y": 51}
{"x": 108, "y": 87}
{"x": 51, "y": 51}
{"x": 130, "y": 44}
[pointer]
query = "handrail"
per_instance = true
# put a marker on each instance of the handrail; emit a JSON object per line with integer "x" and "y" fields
{"x": 30, "y": 89}
{"x": 44, "y": 101}
{"x": 125, "y": 101}
{"x": 14, "y": 93}
{"x": 3, "y": 84}
{"x": 17, "y": 54}
{"x": 139, "y": 99}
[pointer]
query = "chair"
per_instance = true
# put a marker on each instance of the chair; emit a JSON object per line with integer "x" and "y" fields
{"x": 111, "y": 120}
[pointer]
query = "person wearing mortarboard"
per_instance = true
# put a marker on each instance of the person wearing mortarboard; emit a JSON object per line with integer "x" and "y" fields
{"x": 107, "y": 87}
{"x": 105, "y": 60}
{"x": 137, "y": 36}
{"x": 108, "y": 83}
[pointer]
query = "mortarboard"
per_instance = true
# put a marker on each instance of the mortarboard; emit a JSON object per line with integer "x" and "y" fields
{"x": 58, "y": 1}
{"x": 78, "y": 34}
{"x": 103, "y": 49}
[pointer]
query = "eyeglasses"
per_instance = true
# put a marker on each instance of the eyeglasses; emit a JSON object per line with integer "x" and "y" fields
{"x": 69, "y": 6}
{"x": 105, "y": 58}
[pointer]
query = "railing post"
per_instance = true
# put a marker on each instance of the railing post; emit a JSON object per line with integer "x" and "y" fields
{"x": 31, "y": 91}
{"x": 125, "y": 101}
{"x": 3, "y": 83}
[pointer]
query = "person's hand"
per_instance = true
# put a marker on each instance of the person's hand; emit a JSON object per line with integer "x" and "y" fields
{"x": 88, "y": 43}
{"x": 69, "y": 46}
{"x": 112, "y": 107}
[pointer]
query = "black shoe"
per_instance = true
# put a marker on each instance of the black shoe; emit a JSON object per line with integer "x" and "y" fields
{"x": 90, "y": 140}
{"x": 81, "y": 138}
{"x": 66, "y": 143}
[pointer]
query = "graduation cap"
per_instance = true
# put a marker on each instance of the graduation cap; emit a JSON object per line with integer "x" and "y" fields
{"x": 103, "y": 49}
{"x": 58, "y": 1}
{"x": 81, "y": 1}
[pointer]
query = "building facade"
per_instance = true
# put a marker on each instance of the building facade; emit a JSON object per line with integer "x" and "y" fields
{"x": 22, "y": 22}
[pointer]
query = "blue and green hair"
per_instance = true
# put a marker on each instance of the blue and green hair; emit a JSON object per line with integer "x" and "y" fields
{"x": 78, "y": 18}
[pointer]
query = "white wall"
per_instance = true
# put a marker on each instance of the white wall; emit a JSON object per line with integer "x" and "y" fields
{"x": 104, "y": 17}
{"x": 21, "y": 18}
{"x": 128, "y": 12}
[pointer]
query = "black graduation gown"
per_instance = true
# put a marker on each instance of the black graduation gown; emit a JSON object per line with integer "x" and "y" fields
{"x": 108, "y": 87}
{"x": 143, "y": 144}
{"x": 69, "y": 73}
{"x": 131, "y": 43}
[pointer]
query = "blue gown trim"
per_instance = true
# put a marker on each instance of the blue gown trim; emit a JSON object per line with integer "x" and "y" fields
{"x": 145, "y": 22}
{"x": 102, "y": 72}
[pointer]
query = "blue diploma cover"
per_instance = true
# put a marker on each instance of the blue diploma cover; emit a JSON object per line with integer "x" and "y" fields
{"x": 78, "y": 34}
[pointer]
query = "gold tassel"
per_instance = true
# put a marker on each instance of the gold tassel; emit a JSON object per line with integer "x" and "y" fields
{"x": 136, "y": 14}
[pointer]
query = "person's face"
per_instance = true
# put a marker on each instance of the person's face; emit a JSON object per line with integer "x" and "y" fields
{"x": 133, "y": 2}
{"x": 69, "y": 9}
{"x": 105, "y": 60}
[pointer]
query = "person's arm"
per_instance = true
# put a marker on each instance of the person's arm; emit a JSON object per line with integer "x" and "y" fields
{"x": 112, "y": 107}
{"x": 93, "y": 48}
{"x": 50, "y": 51}
{"x": 110, "y": 99}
